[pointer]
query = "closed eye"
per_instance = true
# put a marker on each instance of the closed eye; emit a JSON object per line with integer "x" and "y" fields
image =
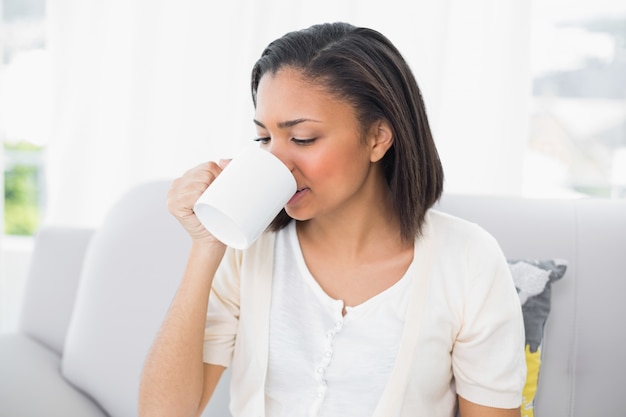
{"x": 303, "y": 142}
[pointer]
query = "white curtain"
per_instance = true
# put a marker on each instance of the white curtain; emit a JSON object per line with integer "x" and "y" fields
{"x": 145, "y": 89}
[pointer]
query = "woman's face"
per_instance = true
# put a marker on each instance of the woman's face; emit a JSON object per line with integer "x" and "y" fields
{"x": 318, "y": 137}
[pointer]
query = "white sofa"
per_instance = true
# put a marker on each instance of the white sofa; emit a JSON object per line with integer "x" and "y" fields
{"x": 94, "y": 300}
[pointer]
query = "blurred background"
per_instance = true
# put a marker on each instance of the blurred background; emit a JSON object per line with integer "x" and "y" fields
{"x": 524, "y": 97}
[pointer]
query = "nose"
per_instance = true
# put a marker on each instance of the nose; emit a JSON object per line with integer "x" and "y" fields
{"x": 281, "y": 152}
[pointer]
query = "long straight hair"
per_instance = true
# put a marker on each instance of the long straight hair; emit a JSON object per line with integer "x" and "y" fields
{"x": 362, "y": 67}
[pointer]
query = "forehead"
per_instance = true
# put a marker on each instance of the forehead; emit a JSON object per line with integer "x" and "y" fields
{"x": 288, "y": 95}
{"x": 288, "y": 83}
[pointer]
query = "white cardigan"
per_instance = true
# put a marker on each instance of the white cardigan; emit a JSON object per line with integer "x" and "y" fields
{"x": 463, "y": 331}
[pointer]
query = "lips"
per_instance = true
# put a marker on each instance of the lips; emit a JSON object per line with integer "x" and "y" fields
{"x": 300, "y": 192}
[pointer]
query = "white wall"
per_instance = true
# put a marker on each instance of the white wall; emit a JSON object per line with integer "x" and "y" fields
{"x": 15, "y": 255}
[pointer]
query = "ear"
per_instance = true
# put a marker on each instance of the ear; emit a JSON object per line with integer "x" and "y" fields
{"x": 380, "y": 139}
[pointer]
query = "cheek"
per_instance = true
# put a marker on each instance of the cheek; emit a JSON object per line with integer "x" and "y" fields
{"x": 335, "y": 164}
{"x": 329, "y": 165}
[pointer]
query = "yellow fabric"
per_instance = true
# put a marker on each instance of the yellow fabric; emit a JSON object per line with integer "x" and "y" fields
{"x": 533, "y": 363}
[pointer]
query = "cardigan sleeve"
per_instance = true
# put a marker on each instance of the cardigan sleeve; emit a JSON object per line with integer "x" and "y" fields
{"x": 488, "y": 355}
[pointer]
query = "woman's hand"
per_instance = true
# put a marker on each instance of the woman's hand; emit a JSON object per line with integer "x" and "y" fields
{"x": 184, "y": 193}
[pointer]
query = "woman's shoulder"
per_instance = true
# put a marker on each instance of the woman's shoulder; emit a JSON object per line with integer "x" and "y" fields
{"x": 438, "y": 222}
{"x": 466, "y": 248}
{"x": 453, "y": 233}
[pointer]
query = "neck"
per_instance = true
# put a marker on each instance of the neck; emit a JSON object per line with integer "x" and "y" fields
{"x": 353, "y": 234}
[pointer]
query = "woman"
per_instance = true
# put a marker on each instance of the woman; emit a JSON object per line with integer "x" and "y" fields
{"x": 360, "y": 300}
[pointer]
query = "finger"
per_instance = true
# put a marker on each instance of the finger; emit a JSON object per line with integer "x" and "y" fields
{"x": 224, "y": 162}
{"x": 200, "y": 176}
{"x": 187, "y": 189}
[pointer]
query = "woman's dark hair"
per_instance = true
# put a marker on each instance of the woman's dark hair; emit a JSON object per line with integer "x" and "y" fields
{"x": 362, "y": 67}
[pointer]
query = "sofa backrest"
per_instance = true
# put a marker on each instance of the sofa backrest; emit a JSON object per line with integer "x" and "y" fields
{"x": 51, "y": 283}
{"x": 582, "y": 370}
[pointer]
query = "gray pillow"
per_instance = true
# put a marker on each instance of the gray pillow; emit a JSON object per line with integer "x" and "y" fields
{"x": 533, "y": 280}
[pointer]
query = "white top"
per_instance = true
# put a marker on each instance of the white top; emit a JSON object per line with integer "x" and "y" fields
{"x": 463, "y": 330}
{"x": 322, "y": 363}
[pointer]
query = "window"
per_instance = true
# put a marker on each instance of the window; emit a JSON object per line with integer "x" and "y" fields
{"x": 23, "y": 188}
{"x": 24, "y": 113}
{"x": 577, "y": 142}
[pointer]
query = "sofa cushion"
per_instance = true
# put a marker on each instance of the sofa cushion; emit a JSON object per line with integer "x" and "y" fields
{"x": 55, "y": 267}
{"x": 533, "y": 280}
{"x": 131, "y": 271}
{"x": 31, "y": 384}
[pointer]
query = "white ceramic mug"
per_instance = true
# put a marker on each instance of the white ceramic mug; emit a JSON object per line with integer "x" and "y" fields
{"x": 244, "y": 199}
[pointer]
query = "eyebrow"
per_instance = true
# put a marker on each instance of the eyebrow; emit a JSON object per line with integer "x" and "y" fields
{"x": 288, "y": 123}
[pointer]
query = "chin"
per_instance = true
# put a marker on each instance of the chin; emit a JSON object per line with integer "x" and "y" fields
{"x": 298, "y": 215}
